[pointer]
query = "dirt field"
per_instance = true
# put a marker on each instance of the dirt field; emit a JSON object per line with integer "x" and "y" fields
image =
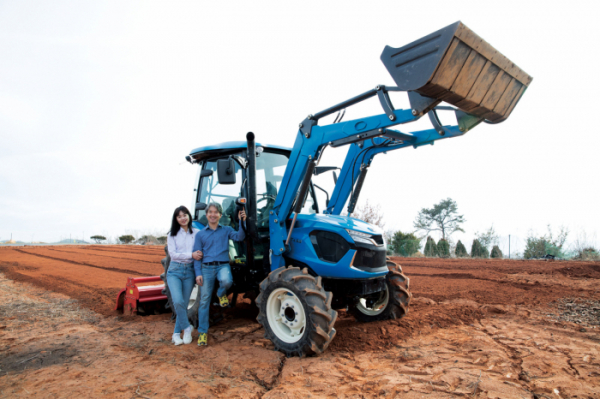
{"x": 476, "y": 328}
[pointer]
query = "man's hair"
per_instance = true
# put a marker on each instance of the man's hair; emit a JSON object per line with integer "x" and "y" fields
{"x": 218, "y": 207}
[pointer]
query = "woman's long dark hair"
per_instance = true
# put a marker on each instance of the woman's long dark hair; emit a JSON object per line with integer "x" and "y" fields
{"x": 175, "y": 226}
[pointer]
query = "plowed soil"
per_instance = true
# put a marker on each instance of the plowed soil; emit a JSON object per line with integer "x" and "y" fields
{"x": 475, "y": 328}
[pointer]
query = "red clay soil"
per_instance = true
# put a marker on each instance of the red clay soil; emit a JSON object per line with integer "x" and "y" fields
{"x": 475, "y": 328}
{"x": 94, "y": 281}
{"x": 142, "y": 257}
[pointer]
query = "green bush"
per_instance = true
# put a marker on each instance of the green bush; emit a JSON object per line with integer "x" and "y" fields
{"x": 431, "y": 249}
{"x": 478, "y": 250}
{"x": 589, "y": 253}
{"x": 548, "y": 244}
{"x": 461, "y": 251}
{"x": 540, "y": 247}
{"x": 405, "y": 244}
{"x": 496, "y": 253}
{"x": 443, "y": 248}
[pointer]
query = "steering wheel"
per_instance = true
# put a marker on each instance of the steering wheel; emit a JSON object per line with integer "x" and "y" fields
{"x": 266, "y": 197}
{"x": 266, "y": 217}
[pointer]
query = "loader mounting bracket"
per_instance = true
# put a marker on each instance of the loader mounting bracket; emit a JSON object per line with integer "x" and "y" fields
{"x": 420, "y": 105}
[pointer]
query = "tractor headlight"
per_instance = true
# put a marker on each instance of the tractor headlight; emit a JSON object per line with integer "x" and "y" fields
{"x": 365, "y": 238}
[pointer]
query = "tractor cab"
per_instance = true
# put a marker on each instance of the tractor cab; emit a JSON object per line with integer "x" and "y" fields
{"x": 222, "y": 178}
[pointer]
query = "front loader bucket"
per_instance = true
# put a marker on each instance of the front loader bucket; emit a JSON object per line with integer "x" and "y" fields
{"x": 457, "y": 66}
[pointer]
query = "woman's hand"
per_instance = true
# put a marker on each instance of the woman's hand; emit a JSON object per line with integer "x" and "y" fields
{"x": 197, "y": 255}
{"x": 242, "y": 215}
{"x": 199, "y": 280}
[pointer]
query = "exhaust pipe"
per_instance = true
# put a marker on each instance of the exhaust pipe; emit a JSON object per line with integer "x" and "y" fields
{"x": 251, "y": 173}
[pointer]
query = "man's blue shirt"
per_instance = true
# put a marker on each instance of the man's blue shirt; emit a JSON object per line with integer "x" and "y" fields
{"x": 214, "y": 244}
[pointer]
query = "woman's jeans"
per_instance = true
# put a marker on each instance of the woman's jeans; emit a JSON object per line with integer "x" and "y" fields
{"x": 210, "y": 273}
{"x": 181, "y": 279}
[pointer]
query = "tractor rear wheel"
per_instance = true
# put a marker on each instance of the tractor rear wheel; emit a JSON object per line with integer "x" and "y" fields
{"x": 296, "y": 312}
{"x": 392, "y": 303}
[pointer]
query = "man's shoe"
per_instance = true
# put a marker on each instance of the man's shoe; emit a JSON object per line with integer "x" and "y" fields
{"x": 224, "y": 301}
{"x": 177, "y": 339}
{"x": 202, "y": 339}
{"x": 187, "y": 335}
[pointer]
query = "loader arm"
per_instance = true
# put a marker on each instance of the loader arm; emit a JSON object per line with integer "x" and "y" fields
{"x": 366, "y": 136}
{"x": 361, "y": 154}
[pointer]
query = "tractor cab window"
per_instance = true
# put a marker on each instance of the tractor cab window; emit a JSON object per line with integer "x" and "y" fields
{"x": 270, "y": 168}
{"x": 223, "y": 194}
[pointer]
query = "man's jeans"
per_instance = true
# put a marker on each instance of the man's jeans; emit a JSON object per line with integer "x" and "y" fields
{"x": 181, "y": 280}
{"x": 209, "y": 275}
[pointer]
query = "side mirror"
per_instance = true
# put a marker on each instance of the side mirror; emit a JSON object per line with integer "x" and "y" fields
{"x": 206, "y": 172}
{"x": 200, "y": 206}
{"x": 226, "y": 171}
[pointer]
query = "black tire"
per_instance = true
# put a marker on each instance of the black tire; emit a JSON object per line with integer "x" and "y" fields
{"x": 192, "y": 311}
{"x": 398, "y": 298}
{"x": 318, "y": 331}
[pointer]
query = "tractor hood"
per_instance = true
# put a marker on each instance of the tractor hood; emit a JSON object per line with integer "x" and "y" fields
{"x": 344, "y": 222}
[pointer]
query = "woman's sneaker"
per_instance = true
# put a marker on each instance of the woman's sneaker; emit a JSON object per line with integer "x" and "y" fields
{"x": 187, "y": 335}
{"x": 202, "y": 339}
{"x": 177, "y": 339}
{"x": 224, "y": 301}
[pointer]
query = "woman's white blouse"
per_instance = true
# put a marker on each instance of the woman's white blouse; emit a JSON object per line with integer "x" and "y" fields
{"x": 181, "y": 246}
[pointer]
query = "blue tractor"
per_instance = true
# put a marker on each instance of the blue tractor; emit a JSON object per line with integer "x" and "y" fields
{"x": 303, "y": 262}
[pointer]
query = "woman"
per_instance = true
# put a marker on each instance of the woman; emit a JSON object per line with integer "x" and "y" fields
{"x": 180, "y": 276}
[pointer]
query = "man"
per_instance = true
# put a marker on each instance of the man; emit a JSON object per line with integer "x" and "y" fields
{"x": 213, "y": 242}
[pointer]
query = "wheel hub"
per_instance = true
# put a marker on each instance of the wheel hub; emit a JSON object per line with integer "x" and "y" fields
{"x": 374, "y": 306}
{"x": 286, "y": 316}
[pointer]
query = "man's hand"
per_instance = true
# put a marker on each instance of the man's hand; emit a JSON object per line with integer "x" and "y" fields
{"x": 197, "y": 255}
{"x": 199, "y": 280}
{"x": 242, "y": 215}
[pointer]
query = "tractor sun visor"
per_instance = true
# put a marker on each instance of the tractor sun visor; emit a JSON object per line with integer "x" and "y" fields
{"x": 455, "y": 65}
{"x": 226, "y": 171}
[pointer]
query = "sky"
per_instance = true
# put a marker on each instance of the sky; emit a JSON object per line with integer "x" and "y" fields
{"x": 101, "y": 101}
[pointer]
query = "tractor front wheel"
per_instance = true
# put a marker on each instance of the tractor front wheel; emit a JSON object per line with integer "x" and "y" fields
{"x": 295, "y": 312}
{"x": 391, "y": 303}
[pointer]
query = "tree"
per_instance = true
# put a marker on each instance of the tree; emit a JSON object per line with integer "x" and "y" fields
{"x": 443, "y": 248}
{"x": 442, "y": 217}
{"x": 430, "y": 248}
{"x": 370, "y": 214}
{"x": 461, "y": 251}
{"x": 162, "y": 240}
{"x": 126, "y": 239}
{"x": 478, "y": 250}
{"x": 487, "y": 238}
{"x": 98, "y": 238}
{"x": 496, "y": 253}
{"x": 405, "y": 244}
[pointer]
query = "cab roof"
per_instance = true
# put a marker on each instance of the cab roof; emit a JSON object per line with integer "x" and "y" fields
{"x": 234, "y": 145}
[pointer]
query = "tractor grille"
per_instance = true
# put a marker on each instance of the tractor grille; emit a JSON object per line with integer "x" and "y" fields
{"x": 330, "y": 247}
{"x": 369, "y": 258}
